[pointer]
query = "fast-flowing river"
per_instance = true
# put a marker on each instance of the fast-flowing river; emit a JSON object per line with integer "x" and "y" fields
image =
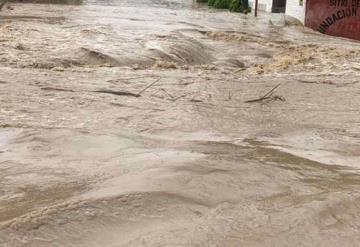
{"x": 142, "y": 123}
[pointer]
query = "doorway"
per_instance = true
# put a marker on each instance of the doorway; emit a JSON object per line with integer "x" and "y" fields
{"x": 278, "y": 6}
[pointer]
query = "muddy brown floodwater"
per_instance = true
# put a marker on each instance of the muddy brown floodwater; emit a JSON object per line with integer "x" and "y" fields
{"x": 91, "y": 155}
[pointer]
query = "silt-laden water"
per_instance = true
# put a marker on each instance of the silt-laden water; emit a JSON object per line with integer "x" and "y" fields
{"x": 124, "y": 123}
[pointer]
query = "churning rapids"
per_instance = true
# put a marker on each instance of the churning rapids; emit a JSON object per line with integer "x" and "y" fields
{"x": 125, "y": 123}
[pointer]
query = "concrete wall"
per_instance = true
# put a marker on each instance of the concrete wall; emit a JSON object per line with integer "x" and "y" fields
{"x": 294, "y": 9}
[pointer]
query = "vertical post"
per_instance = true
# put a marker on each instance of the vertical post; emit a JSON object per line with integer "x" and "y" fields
{"x": 256, "y": 8}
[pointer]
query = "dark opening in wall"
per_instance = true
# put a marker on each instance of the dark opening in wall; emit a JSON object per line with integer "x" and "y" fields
{"x": 278, "y": 6}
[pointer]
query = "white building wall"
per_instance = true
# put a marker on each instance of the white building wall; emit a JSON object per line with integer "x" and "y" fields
{"x": 294, "y": 9}
{"x": 263, "y": 5}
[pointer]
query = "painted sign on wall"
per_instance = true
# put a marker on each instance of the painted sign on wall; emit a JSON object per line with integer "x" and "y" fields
{"x": 334, "y": 17}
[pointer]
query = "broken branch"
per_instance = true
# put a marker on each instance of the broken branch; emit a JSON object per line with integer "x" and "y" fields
{"x": 268, "y": 95}
{"x": 150, "y": 85}
{"x": 118, "y": 93}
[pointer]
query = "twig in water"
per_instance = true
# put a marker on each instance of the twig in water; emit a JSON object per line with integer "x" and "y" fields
{"x": 123, "y": 93}
{"x": 150, "y": 85}
{"x": 118, "y": 93}
{"x": 196, "y": 100}
{"x": 182, "y": 96}
{"x": 268, "y": 95}
{"x": 56, "y": 89}
{"x": 229, "y": 96}
{"x": 163, "y": 90}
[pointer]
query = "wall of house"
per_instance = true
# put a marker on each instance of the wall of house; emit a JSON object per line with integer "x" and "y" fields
{"x": 338, "y": 18}
{"x": 294, "y": 9}
{"x": 264, "y": 5}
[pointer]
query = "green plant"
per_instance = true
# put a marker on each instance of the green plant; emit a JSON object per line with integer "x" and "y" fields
{"x": 232, "y": 5}
{"x": 236, "y": 6}
{"x": 221, "y": 4}
{"x": 211, "y": 2}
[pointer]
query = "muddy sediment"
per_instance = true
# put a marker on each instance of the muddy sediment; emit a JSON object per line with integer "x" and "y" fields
{"x": 125, "y": 124}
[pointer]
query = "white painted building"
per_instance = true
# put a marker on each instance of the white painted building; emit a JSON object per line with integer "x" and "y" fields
{"x": 296, "y": 9}
{"x": 292, "y": 8}
{"x": 263, "y": 5}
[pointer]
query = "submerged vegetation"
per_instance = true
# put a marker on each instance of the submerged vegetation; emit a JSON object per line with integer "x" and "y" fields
{"x": 232, "y": 5}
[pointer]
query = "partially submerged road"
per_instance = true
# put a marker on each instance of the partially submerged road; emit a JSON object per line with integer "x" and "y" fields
{"x": 125, "y": 124}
